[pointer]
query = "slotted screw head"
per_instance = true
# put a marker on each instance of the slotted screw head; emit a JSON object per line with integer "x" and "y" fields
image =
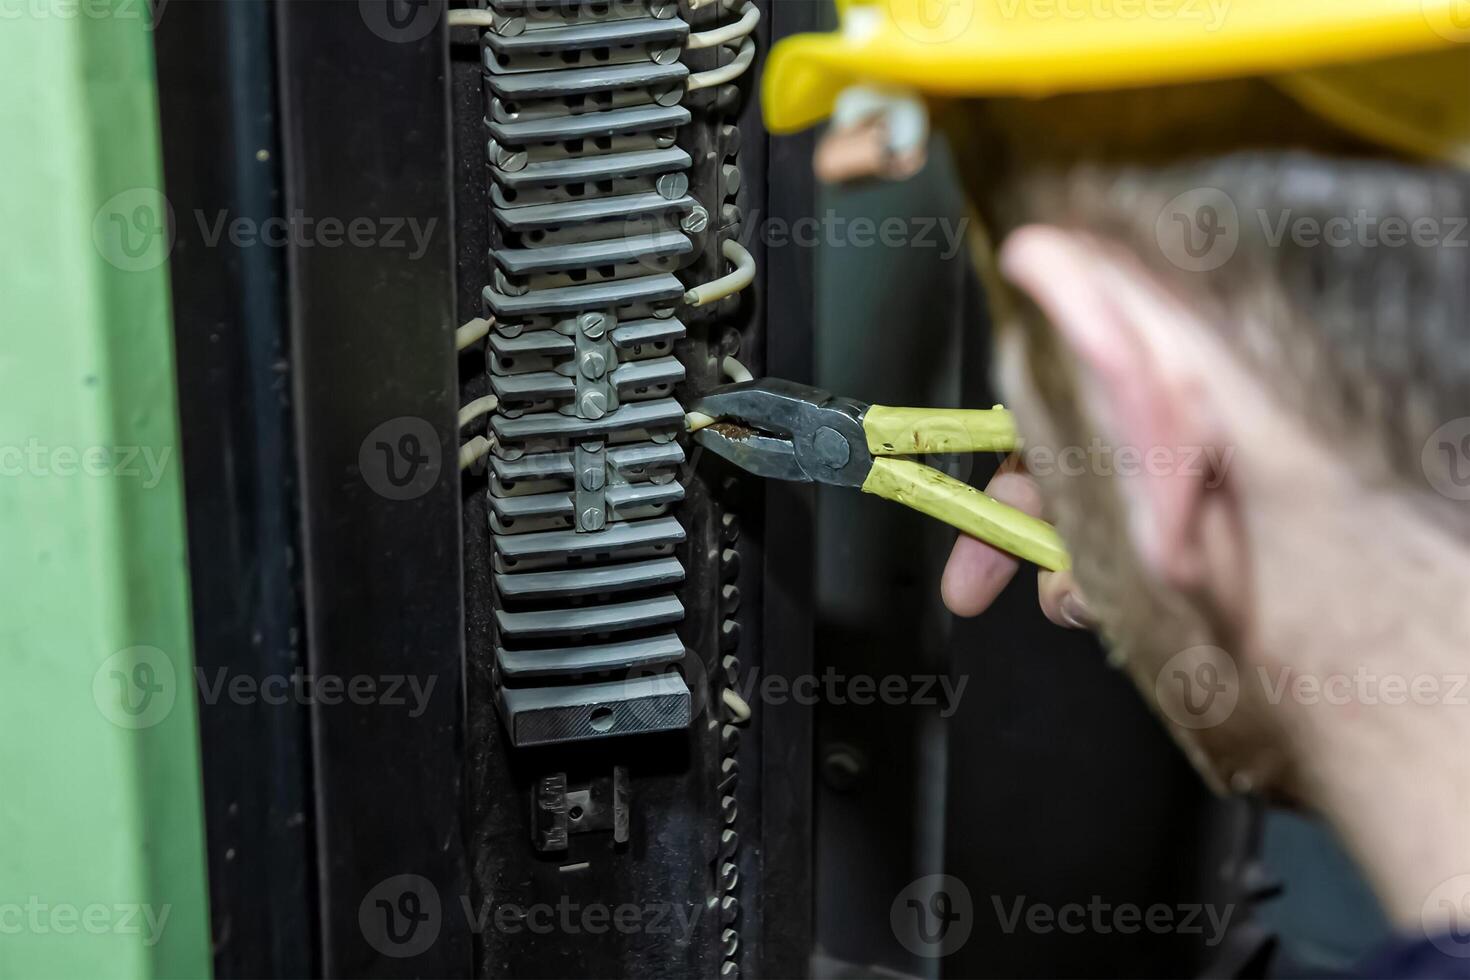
{"x": 593, "y": 325}
{"x": 594, "y": 405}
{"x": 594, "y": 364}
{"x": 695, "y": 221}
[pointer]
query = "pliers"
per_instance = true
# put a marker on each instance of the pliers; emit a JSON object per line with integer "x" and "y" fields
{"x": 787, "y": 431}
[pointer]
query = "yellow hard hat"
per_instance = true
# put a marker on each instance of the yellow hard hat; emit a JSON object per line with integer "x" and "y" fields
{"x": 1397, "y": 71}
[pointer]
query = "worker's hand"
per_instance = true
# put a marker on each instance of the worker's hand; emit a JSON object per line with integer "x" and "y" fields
{"x": 977, "y": 572}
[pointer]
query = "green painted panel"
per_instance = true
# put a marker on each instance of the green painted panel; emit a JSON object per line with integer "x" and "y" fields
{"x": 101, "y": 837}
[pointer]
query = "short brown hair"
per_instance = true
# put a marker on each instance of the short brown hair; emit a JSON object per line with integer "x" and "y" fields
{"x": 1369, "y": 341}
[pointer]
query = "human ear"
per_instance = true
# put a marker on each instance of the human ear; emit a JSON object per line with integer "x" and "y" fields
{"x": 1140, "y": 384}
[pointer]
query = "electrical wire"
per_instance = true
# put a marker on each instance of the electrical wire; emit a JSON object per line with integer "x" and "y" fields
{"x": 473, "y": 451}
{"x": 694, "y": 421}
{"x": 735, "y": 371}
{"x": 739, "y": 707}
{"x": 471, "y": 17}
{"x": 480, "y": 406}
{"x": 750, "y": 15}
{"x": 724, "y": 73}
{"x": 728, "y": 285}
{"x": 476, "y": 329}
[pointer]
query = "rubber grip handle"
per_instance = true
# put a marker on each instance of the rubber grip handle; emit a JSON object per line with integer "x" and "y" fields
{"x": 960, "y": 505}
{"x": 911, "y": 431}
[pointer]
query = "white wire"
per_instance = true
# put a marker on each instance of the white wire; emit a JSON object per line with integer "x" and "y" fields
{"x": 750, "y": 16}
{"x": 473, "y": 451}
{"x": 739, "y": 708}
{"x": 725, "y": 73}
{"x": 736, "y": 371}
{"x": 476, "y": 408}
{"x": 471, "y": 17}
{"x": 476, "y": 329}
{"x": 727, "y": 285}
{"x": 694, "y": 421}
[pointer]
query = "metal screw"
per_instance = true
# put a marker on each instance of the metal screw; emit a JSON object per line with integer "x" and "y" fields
{"x": 591, "y": 519}
{"x": 669, "y": 96}
{"x": 664, "y": 138}
{"x": 508, "y": 159}
{"x": 594, "y": 325}
{"x": 729, "y": 942}
{"x": 593, "y": 405}
{"x": 672, "y": 186}
{"x": 695, "y": 221}
{"x": 510, "y": 26}
{"x": 663, "y": 8}
{"x": 593, "y": 476}
{"x": 665, "y": 56}
{"x": 731, "y": 174}
{"x": 594, "y": 364}
{"x": 831, "y": 448}
{"x": 504, "y": 285}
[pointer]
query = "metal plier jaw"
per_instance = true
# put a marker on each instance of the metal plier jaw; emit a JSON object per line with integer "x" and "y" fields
{"x": 797, "y": 432}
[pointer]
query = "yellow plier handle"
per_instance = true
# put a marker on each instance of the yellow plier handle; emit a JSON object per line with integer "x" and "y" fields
{"x": 895, "y": 432}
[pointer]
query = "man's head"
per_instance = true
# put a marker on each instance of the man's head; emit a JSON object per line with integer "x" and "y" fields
{"x": 1231, "y": 328}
